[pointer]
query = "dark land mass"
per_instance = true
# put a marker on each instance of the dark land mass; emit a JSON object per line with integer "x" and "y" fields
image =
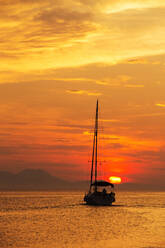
{"x": 31, "y": 179}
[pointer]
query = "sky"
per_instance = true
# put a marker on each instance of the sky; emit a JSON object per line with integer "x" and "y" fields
{"x": 57, "y": 57}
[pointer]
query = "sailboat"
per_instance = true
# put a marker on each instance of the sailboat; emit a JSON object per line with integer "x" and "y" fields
{"x": 101, "y": 193}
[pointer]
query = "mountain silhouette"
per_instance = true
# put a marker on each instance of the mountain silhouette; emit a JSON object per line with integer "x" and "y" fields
{"x": 31, "y": 179}
{"x": 6, "y": 177}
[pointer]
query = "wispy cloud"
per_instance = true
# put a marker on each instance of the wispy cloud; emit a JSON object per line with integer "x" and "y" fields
{"x": 134, "y": 85}
{"x": 160, "y": 105}
{"x": 143, "y": 61}
{"x": 84, "y": 92}
{"x": 137, "y": 61}
{"x": 47, "y": 35}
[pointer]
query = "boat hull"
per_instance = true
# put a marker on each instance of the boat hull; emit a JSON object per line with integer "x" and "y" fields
{"x": 99, "y": 199}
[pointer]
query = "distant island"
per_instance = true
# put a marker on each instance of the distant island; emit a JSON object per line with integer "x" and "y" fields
{"x": 32, "y": 179}
{"x": 36, "y": 179}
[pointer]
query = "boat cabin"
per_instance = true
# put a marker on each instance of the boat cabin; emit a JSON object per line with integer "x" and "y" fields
{"x": 102, "y": 186}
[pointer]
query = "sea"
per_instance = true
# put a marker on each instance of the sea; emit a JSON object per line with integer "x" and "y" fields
{"x": 62, "y": 220}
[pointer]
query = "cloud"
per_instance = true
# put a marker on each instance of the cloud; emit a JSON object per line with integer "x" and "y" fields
{"x": 160, "y": 105}
{"x": 114, "y": 146}
{"x": 137, "y": 61}
{"x": 107, "y": 6}
{"x": 154, "y": 157}
{"x": 17, "y": 149}
{"x": 40, "y": 27}
{"x": 83, "y": 92}
{"x": 109, "y": 120}
{"x": 134, "y": 85}
{"x": 53, "y": 35}
{"x": 7, "y": 150}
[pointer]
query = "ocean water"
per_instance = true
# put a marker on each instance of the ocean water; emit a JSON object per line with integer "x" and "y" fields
{"x": 60, "y": 219}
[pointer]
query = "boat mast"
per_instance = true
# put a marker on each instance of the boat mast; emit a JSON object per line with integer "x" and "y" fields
{"x": 94, "y": 153}
{"x": 96, "y": 131}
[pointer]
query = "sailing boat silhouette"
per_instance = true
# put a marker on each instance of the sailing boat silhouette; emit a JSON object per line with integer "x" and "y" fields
{"x": 95, "y": 196}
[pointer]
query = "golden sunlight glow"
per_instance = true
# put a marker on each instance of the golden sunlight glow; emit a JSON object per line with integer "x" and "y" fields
{"x": 114, "y": 179}
{"x": 136, "y": 5}
{"x": 83, "y": 92}
{"x": 56, "y": 59}
{"x": 160, "y": 105}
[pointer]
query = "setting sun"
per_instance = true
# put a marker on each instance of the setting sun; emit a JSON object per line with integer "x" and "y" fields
{"x": 115, "y": 179}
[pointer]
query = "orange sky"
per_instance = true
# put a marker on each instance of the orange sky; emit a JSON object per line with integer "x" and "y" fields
{"x": 56, "y": 58}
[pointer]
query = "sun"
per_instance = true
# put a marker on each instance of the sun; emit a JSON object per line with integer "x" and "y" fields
{"x": 114, "y": 179}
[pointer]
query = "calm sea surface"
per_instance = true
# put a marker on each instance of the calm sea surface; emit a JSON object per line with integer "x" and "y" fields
{"x": 57, "y": 220}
